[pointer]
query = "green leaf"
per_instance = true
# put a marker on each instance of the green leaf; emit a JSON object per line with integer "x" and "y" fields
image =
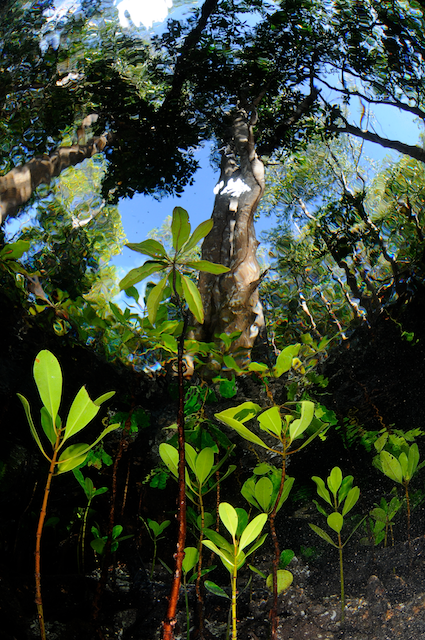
{"x": 284, "y": 359}
{"x": 263, "y": 493}
{"x": 227, "y": 558}
{"x": 285, "y": 558}
{"x": 48, "y": 378}
{"x": 351, "y": 499}
{"x": 335, "y": 521}
{"x": 271, "y": 421}
{"x": 242, "y": 521}
{"x": 180, "y": 227}
{"x": 82, "y": 411}
{"x": 229, "y": 517}
{"x": 256, "y": 544}
{"x": 218, "y": 540}
{"x": 345, "y": 488}
{"x": 155, "y": 298}
{"x": 244, "y": 431}
{"x": 284, "y": 580}
{"x": 72, "y": 457}
{"x": 170, "y": 457}
{"x": 193, "y": 298}
{"x": 253, "y": 530}
{"x": 334, "y": 480}
{"x": 15, "y": 250}
{"x": 204, "y": 464}
{"x": 391, "y": 467}
{"x": 215, "y": 589}
{"x": 200, "y": 232}
{"x": 241, "y": 413}
{"x": 103, "y": 398}
{"x": 322, "y": 534}
{"x": 190, "y": 455}
{"x": 149, "y": 247}
{"x": 207, "y": 266}
{"x": 413, "y": 461}
{"x": 47, "y": 425}
{"x": 140, "y": 273}
{"x": 34, "y": 432}
{"x": 190, "y": 559}
{"x": 321, "y": 489}
{"x": 297, "y": 427}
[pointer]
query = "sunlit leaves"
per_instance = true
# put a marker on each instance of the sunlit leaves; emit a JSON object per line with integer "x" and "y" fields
{"x": 48, "y": 378}
{"x": 176, "y": 266}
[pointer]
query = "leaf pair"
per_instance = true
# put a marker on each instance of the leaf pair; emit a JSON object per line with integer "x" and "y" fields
{"x": 262, "y": 493}
{"x": 200, "y": 464}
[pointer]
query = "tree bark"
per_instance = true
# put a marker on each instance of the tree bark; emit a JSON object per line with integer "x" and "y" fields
{"x": 17, "y": 186}
{"x": 231, "y": 301}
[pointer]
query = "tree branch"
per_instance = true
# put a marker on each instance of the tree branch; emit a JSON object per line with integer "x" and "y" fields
{"x": 17, "y": 186}
{"x": 192, "y": 39}
{"x": 418, "y": 153}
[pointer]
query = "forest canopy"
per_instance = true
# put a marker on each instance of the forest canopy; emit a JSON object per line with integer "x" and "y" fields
{"x": 92, "y": 111}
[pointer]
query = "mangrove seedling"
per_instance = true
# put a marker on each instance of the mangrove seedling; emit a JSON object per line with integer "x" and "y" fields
{"x": 344, "y": 496}
{"x": 48, "y": 378}
{"x": 200, "y": 476}
{"x": 261, "y": 492}
{"x": 285, "y": 431}
{"x": 90, "y": 492}
{"x": 99, "y": 542}
{"x": 155, "y": 529}
{"x": 400, "y": 467}
{"x": 233, "y": 554}
{"x": 381, "y": 520}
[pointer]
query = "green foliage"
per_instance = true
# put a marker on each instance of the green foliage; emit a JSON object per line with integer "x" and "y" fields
{"x": 174, "y": 266}
{"x": 245, "y": 538}
{"x": 262, "y": 489}
{"x": 381, "y": 520}
{"x": 342, "y": 497}
{"x": 48, "y": 378}
{"x": 99, "y": 542}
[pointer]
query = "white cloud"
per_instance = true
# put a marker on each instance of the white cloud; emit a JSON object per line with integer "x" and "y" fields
{"x": 143, "y": 12}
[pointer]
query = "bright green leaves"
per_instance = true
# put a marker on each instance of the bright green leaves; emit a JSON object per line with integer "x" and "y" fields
{"x": 150, "y": 247}
{"x": 341, "y": 496}
{"x": 285, "y": 358}
{"x": 193, "y": 298}
{"x": 180, "y": 228}
{"x": 298, "y": 426}
{"x": 403, "y": 468}
{"x": 262, "y": 493}
{"x": 243, "y": 534}
{"x": 155, "y": 298}
{"x": 229, "y": 518}
{"x": 140, "y": 273}
{"x": 345, "y": 495}
{"x": 200, "y": 468}
{"x": 271, "y": 422}
{"x": 82, "y": 411}
{"x": 176, "y": 266}
{"x": 48, "y": 378}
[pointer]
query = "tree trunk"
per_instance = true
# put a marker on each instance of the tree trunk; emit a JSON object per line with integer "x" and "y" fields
{"x": 17, "y": 186}
{"x": 231, "y": 301}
